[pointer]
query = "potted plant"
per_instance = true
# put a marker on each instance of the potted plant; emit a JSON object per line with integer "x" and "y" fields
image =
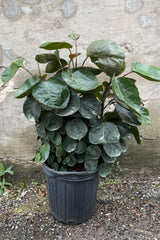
{"x": 82, "y": 124}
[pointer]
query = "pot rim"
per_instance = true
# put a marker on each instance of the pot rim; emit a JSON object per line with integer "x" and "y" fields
{"x": 69, "y": 172}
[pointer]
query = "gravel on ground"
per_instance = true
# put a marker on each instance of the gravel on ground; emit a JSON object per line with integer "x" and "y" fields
{"x": 127, "y": 208}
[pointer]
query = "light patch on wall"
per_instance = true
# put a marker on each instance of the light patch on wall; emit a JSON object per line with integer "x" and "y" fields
{"x": 11, "y": 9}
{"x": 145, "y": 21}
{"x": 132, "y": 6}
{"x": 26, "y": 9}
{"x": 68, "y": 8}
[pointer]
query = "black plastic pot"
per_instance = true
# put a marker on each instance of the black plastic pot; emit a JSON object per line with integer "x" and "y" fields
{"x": 72, "y": 195}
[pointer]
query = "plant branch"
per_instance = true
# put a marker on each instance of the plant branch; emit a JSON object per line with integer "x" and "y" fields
{"x": 71, "y": 59}
{"x": 27, "y": 71}
{"x": 109, "y": 103}
{"x": 127, "y": 73}
{"x": 106, "y": 91}
{"x": 84, "y": 61}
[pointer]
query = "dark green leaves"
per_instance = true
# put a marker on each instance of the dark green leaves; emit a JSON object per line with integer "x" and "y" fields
{"x": 52, "y": 93}
{"x": 126, "y": 92}
{"x": 44, "y": 58}
{"x": 43, "y": 153}
{"x": 107, "y": 55}
{"x": 113, "y": 149}
{"x": 90, "y": 106}
{"x": 105, "y": 169}
{"x": 127, "y": 116}
{"x": 69, "y": 144}
{"x": 50, "y": 121}
{"x": 31, "y": 109}
{"x": 26, "y": 88}
{"x": 80, "y": 80}
{"x": 76, "y": 129}
{"x": 55, "y": 45}
{"x": 11, "y": 70}
{"x": 104, "y": 132}
{"x": 72, "y": 107}
{"x": 147, "y": 71}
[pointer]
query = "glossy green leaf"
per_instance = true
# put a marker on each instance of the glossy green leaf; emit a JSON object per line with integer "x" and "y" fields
{"x": 80, "y": 80}
{"x": 104, "y": 132}
{"x": 81, "y": 147}
{"x": 51, "y": 121}
{"x": 91, "y": 165}
{"x": 10, "y": 72}
{"x": 80, "y": 157}
{"x": 40, "y": 130}
{"x": 126, "y": 91}
{"x": 107, "y": 55}
{"x": 144, "y": 118}
{"x": 92, "y": 152}
{"x": 136, "y": 134}
{"x": 49, "y": 135}
{"x": 26, "y": 88}
{"x": 95, "y": 71}
{"x": 124, "y": 130}
{"x": 55, "y": 65}
{"x": 52, "y": 93}
{"x": 44, "y": 152}
{"x": 76, "y": 128}
{"x": 74, "y": 36}
{"x": 72, "y": 161}
{"x": 90, "y": 106}
{"x": 44, "y": 58}
{"x": 37, "y": 157}
{"x": 55, "y": 45}
{"x": 148, "y": 72}
{"x": 72, "y": 107}
{"x": 69, "y": 144}
{"x": 123, "y": 146}
{"x": 60, "y": 150}
{"x": 106, "y": 158}
{"x": 105, "y": 169}
{"x": 113, "y": 149}
{"x": 127, "y": 116}
{"x": 57, "y": 139}
{"x": 31, "y": 109}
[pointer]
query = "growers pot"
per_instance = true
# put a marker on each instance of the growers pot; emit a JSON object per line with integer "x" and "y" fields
{"x": 72, "y": 195}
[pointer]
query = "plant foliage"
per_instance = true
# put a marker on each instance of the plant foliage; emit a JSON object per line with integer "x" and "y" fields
{"x": 70, "y": 109}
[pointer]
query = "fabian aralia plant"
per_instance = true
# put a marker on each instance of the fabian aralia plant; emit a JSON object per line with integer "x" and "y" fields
{"x": 72, "y": 110}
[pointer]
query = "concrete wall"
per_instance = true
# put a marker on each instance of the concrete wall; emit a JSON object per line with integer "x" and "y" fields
{"x": 25, "y": 24}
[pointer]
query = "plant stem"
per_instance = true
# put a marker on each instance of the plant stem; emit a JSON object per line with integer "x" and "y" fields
{"x": 39, "y": 71}
{"x": 106, "y": 91}
{"x": 109, "y": 103}
{"x": 127, "y": 73}
{"x": 71, "y": 59}
{"x": 76, "y": 53}
{"x": 84, "y": 61}
{"x": 27, "y": 71}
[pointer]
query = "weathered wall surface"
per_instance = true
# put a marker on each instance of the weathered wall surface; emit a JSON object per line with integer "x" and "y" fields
{"x": 25, "y": 24}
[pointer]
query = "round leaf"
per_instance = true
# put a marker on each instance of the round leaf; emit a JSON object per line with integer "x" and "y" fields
{"x": 44, "y": 152}
{"x": 72, "y": 107}
{"x": 106, "y": 158}
{"x": 81, "y": 147}
{"x": 104, "y": 132}
{"x": 91, "y": 165}
{"x": 52, "y": 93}
{"x": 76, "y": 129}
{"x": 127, "y": 116}
{"x": 113, "y": 149}
{"x": 69, "y": 144}
{"x": 80, "y": 80}
{"x": 55, "y": 45}
{"x": 105, "y": 169}
{"x": 31, "y": 109}
{"x": 40, "y": 130}
{"x": 124, "y": 130}
{"x": 26, "y": 88}
{"x": 74, "y": 36}
{"x": 90, "y": 106}
{"x": 44, "y": 58}
{"x": 51, "y": 121}
{"x": 107, "y": 55}
{"x": 92, "y": 152}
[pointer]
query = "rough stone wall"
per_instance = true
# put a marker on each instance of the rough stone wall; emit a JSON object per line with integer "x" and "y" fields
{"x": 25, "y": 24}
